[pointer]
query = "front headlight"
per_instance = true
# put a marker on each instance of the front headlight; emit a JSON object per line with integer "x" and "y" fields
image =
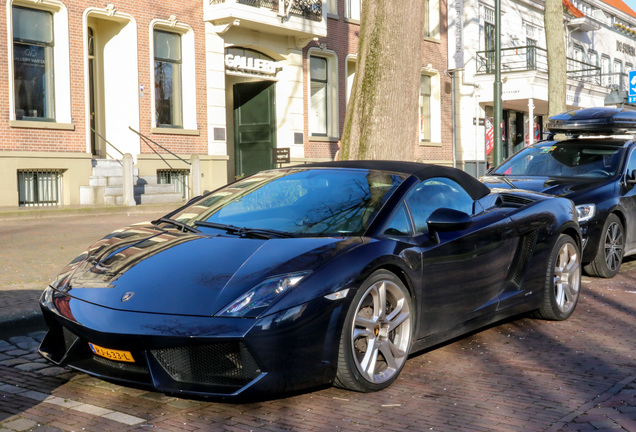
{"x": 261, "y": 296}
{"x": 585, "y": 211}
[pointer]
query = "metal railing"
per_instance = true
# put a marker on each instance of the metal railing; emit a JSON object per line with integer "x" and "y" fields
{"x": 527, "y": 58}
{"x": 183, "y": 186}
{"x": 107, "y": 142}
{"x": 308, "y": 9}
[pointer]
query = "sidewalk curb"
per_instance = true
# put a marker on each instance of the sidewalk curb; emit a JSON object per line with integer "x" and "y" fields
{"x": 44, "y": 212}
{"x": 21, "y": 323}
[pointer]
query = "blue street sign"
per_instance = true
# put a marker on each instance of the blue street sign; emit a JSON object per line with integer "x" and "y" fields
{"x": 632, "y": 86}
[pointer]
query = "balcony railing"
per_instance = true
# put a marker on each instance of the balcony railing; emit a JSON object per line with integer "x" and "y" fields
{"x": 528, "y": 58}
{"x": 308, "y": 9}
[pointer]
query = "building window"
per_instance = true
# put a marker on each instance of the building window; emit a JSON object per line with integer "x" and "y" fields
{"x": 319, "y": 96}
{"x": 489, "y": 38}
{"x": 332, "y": 7}
{"x": 594, "y": 73}
{"x": 618, "y": 80}
{"x": 531, "y": 53}
{"x": 576, "y": 65}
{"x": 168, "y": 104}
{"x": 431, "y": 19}
{"x": 606, "y": 71}
{"x": 430, "y": 106}
{"x": 33, "y": 64}
{"x": 39, "y": 188}
{"x": 177, "y": 178}
{"x": 352, "y": 9}
{"x": 323, "y": 93}
{"x": 425, "y": 108}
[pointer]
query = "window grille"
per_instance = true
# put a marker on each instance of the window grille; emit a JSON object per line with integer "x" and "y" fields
{"x": 39, "y": 187}
{"x": 489, "y": 15}
{"x": 178, "y": 178}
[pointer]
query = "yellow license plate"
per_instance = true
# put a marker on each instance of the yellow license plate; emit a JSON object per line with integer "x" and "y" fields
{"x": 123, "y": 356}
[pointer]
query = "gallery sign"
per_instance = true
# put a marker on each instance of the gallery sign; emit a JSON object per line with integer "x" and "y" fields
{"x": 249, "y": 62}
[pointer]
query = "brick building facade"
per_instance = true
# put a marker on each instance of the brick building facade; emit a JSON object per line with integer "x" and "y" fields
{"x": 227, "y": 80}
{"x": 79, "y": 76}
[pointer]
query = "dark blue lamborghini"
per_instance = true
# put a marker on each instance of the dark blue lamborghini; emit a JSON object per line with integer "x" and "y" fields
{"x": 317, "y": 274}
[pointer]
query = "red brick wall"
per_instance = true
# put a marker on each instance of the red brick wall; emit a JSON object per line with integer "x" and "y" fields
{"x": 189, "y": 12}
{"x": 342, "y": 37}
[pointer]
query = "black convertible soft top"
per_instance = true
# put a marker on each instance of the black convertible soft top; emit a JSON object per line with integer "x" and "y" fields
{"x": 422, "y": 171}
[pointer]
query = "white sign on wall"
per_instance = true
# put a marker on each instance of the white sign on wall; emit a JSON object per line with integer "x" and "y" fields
{"x": 247, "y": 64}
{"x": 455, "y": 34}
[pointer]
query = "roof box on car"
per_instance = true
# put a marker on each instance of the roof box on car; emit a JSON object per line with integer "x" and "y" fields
{"x": 597, "y": 121}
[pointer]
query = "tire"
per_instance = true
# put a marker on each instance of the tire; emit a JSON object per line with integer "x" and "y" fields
{"x": 376, "y": 335}
{"x": 562, "y": 281}
{"x": 611, "y": 247}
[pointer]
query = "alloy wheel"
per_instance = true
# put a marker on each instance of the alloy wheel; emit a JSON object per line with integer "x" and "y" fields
{"x": 567, "y": 277}
{"x": 614, "y": 246}
{"x": 381, "y": 331}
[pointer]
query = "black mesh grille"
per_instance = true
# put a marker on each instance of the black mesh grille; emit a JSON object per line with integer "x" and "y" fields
{"x": 226, "y": 363}
{"x": 527, "y": 247}
{"x": 515, "y": 200}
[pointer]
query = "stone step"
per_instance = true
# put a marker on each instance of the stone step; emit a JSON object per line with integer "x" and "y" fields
{"x": 119, "y": 180}
{"x": 140, "y": 190}
{"x": 106, "y": 163}
{"x": 177, "y": 199}
{"x": 112, "y": 172}
{"x": 106, "y": 186}
{"x": 160, "y": 199}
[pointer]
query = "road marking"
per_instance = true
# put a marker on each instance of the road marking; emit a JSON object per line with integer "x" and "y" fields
{"x": 117, "y": 416}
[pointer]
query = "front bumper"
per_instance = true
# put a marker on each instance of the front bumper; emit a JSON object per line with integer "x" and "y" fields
{"x": 193, "y": 355}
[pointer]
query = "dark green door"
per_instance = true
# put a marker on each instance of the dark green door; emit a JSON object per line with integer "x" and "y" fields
{"x": 254, "y": 126}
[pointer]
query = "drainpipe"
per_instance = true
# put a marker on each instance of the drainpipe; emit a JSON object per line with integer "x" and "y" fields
{"x": 453, "y": 75}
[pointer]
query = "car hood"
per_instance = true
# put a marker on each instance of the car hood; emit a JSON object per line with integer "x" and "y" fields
{"x": 549, "y": 185}
{"x": 144, "y": 269}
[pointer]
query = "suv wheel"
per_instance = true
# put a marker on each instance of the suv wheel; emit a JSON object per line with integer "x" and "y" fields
{"x": 609, "y": 255}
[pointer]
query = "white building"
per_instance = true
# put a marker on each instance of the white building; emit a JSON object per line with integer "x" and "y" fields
{"x": 601, "y": 50}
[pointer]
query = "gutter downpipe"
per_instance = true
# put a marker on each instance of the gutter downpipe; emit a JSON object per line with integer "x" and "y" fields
{"x": 453, "y": 75}
{"x": 497, "y": 90}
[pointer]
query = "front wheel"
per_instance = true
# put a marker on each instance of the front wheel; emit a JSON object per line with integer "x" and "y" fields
{"x": 563, "y": 280}
{"x": 609, "y": 255}
{"x": 376, "y": 336}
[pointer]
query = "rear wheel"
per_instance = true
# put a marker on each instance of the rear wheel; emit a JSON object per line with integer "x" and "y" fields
{"x": 376, "y": 336}
{"x": 563, "y": 280}
{"x": 611, "y": 247}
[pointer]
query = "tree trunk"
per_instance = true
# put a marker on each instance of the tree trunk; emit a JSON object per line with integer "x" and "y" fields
{"x": 555, "y": 43}
{"x": 382, "y": 118}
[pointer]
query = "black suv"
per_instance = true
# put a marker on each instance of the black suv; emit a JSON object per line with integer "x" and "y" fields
{"x": 594, "y": 166}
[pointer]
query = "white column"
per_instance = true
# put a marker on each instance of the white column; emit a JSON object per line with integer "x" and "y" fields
{"x": 530, "y": 121}
{"x": 195, "y": 176}
{"x": 129, "y": 191}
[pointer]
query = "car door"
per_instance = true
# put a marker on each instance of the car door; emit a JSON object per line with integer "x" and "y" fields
{"x": 628, "y": 200}
{"x": 465, "y": 272}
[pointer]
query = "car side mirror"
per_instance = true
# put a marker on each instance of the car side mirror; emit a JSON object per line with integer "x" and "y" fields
{"x": 446, "y": 220}
{"x": 630, "y": 178}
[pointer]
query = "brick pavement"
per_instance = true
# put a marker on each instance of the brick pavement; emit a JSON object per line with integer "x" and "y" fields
{"x": 520, "y": 375}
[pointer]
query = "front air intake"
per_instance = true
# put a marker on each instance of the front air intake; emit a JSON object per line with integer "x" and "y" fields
{"x": 223, "y": 364}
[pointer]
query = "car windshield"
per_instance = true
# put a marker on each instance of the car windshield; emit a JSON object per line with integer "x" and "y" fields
{"x": 296, "y": 201}
{"x": 577, "y": 158}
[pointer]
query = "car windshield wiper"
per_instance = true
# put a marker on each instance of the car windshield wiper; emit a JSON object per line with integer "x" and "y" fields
{"x": 504, "y": 178}
{"x": 176, "y": 223}
{"x": 244, "y": 232}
